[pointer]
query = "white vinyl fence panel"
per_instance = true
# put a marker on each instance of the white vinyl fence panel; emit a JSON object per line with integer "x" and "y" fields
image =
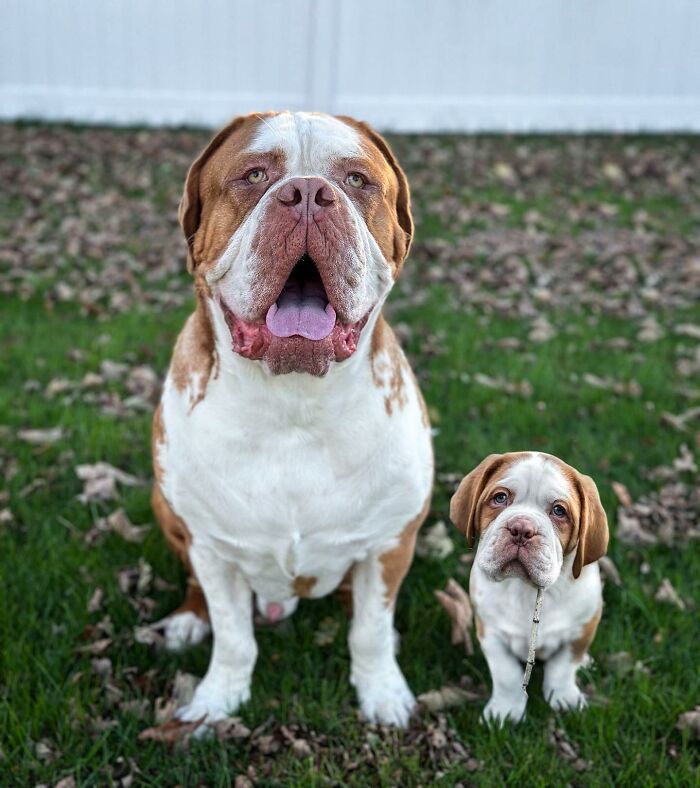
{"x": 406, "y": 65}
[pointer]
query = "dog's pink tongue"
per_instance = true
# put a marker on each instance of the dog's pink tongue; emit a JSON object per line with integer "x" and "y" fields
{"x": 301, "y": 309}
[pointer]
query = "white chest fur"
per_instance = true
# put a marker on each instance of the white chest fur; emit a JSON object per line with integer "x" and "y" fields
{"x": 292, "y": 476}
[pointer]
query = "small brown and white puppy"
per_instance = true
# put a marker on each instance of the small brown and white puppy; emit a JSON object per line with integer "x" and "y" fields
{"x": 291, "y": 446}
{"x": 540, "y": 523}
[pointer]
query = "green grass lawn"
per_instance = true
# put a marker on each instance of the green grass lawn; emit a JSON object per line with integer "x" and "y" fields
{"x": 595, "y": 237}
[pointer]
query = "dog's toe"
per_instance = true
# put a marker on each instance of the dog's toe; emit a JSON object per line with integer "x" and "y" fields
{"x": 184, "y": 629}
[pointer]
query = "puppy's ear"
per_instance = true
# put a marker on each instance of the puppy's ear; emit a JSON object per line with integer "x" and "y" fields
{"x": 465, "y": 502}
{"x": 593, "y": 525}
{"x": 190, "y": 211}
{"x": 404, "y": 232}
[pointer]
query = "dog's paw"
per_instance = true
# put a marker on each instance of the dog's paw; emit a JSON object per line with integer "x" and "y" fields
{"x": 498, "y": 711}
{"x": 386, "y": 699}
{"x": 565, "y": 698}
{"x": 183, "y": 629}
{"x": 212, "y": 703}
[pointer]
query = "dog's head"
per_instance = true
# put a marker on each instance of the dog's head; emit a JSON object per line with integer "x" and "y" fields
{"x": 297, "y": 225}
{"x": 530, "y": 510}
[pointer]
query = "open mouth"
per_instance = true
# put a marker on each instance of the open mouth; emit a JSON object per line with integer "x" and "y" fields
{"x": 302, "y": 308}
{"x": 301, "y": 331}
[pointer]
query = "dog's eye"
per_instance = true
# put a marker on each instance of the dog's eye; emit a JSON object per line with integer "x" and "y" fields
{"x": 558, "y": 510}
{"x": 256, "y": 176}
{"x": 355, "y": 180}
{"x": 500, "y": 498}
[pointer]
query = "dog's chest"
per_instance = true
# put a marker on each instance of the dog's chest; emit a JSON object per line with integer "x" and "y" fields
{"x": 290, "y": 495}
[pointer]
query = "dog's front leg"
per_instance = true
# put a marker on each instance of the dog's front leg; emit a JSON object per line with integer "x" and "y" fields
{"x": 230, "y": 600}
{"x": 508, "y": 700}
{"x": 382, "y": 690}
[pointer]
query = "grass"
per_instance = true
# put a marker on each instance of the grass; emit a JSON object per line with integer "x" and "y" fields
{"x": 47, "y": 688}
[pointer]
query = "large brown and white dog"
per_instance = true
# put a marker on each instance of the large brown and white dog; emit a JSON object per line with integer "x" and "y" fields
{"x": 291, "y": 445}
{"x": 540, "y": 524}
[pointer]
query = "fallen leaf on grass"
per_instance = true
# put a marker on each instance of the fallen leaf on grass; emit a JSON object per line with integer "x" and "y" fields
{"x": 434, "y": 542}
{"x": 96, "y": 647}
{"x": 668, "y": 594}
{"x": 119, "y": 522}
{"x": 172, "y": 732}
{"x": 679, "y": 421}
{"x": 95, "y": 602}
{"x": 622, "y": 494}
{"x": 446, "y": 697}
{"x": 43, "y": 437}
{"x": 690, "y": 721}
{"x": 101, "y": 481}
{"x": 455, "y": 600}
{"x": 148, "y": 636}
{"x": 522, "y": 388}
{"x": 609, "y": 571}
{"x": 565, "y": 749}
{"x": 687, "y": 330}
{"x": 326, "y": 632}
{"x": 66, "y": 782}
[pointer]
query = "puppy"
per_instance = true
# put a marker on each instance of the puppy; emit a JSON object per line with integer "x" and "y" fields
{"x": 540, "y": 524}
{"x": 291, "y": 448}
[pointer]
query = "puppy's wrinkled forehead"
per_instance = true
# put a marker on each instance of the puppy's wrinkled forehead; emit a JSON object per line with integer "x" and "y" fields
{"x": 310, "y": 142}
{"x": 537, "y": 480}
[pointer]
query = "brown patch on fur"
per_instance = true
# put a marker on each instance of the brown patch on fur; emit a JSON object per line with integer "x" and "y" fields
{"x": 302, "y": 585}
{"x": 397, "y": 561}
{"x": 580, "y": 646}
{"x": 344, "y": 593}
{"x": 480, "y": 630}
{"x": 195, "y": 360}
{"x": 466, "y": 506}
{"x": 387, "y": 211}
{"x": 157, "y": 440}
{"x": 179, "y": 539}
{"x": 388, "y": 364}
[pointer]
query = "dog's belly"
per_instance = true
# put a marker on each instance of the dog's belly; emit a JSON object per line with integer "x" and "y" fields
{"x": 294, "y": 507}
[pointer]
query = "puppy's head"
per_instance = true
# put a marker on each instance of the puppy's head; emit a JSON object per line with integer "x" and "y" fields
{"x": 530, "y": 510}
{"x": 297, "y": 225}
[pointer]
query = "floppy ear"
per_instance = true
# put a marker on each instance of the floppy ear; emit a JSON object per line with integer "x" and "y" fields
{"x": 465, "y": 502}
{"x": 402, "y": 240}
{"x": 190, "y": 211}
{"x": 593, "y": 525}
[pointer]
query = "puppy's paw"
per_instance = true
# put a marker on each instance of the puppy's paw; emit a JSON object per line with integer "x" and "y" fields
{"x": 498, "y": 711}
{"x": 386, "y": 699}
{"x": 182, "y": 630}
{"x": 565, "y": 698}
{"x": 211, "y": 703}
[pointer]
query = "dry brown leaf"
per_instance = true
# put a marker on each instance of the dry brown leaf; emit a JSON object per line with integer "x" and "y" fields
{"x": 171, "y": 732}
{"x": 41, "y": 437}
{"x": 622, "y": 494}
{"x": 434, "y": 542}
{"x": 609, "y": 571}
{"x": 100, "y": 481}
{"x": 690, "y": 721}
{"x": 119, "y": 522}
{"x": 95, "y": 602}
{"x": 668, "y": 594}
{"x": 455, "y": 600}
{"x": 447, "y": 697}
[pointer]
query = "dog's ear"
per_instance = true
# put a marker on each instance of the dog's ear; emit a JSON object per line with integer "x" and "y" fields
{"x": 464, "y": 506}
{"x": 190, "y": 211}
{"x": 592, "y": 527}
{"x": 404, "y": 233}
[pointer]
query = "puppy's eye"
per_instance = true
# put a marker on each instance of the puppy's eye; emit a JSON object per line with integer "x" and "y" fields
{"x": 355, "y": 180}
{"x": 500, "y": 498}
{"x": 558, "y": 510}
{"x": 256, "y": 176}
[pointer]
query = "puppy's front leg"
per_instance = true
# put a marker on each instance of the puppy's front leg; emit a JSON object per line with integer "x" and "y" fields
{"x": 507, "y": 700}
{"x": 382, "y": 690}
{"x": 559, "y": 687}
{"x": 230, "y": 600}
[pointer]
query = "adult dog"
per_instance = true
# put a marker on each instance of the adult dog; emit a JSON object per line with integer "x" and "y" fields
{"x": 292, "y": 446}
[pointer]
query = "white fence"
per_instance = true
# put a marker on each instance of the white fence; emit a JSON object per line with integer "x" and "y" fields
{"x": 407, "y": 65}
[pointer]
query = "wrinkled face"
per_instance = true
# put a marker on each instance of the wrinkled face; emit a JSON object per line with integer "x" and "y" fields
{"x": 298, "y": 224}
{"x": 526, "y": 521}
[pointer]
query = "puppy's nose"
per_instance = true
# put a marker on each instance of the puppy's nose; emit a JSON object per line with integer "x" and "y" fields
{"x": 521, "y": 529}
{"x": 310, "y": 196}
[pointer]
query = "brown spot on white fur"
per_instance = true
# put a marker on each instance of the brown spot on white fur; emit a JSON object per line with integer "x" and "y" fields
{"x": 580, "y": 646}
{"x": 396, "y": 562}
{"x": 388, "y": 366}
{"x": 302, "y": 585}
{"x": 480, "y": 629}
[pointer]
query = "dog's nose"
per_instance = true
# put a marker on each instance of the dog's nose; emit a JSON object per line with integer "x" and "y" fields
{"x": 310, "y": 196}
{"x": 521, "y": 529}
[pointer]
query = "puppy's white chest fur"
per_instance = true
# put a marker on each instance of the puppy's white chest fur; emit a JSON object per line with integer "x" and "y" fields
{"x": 290, "y": 482}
